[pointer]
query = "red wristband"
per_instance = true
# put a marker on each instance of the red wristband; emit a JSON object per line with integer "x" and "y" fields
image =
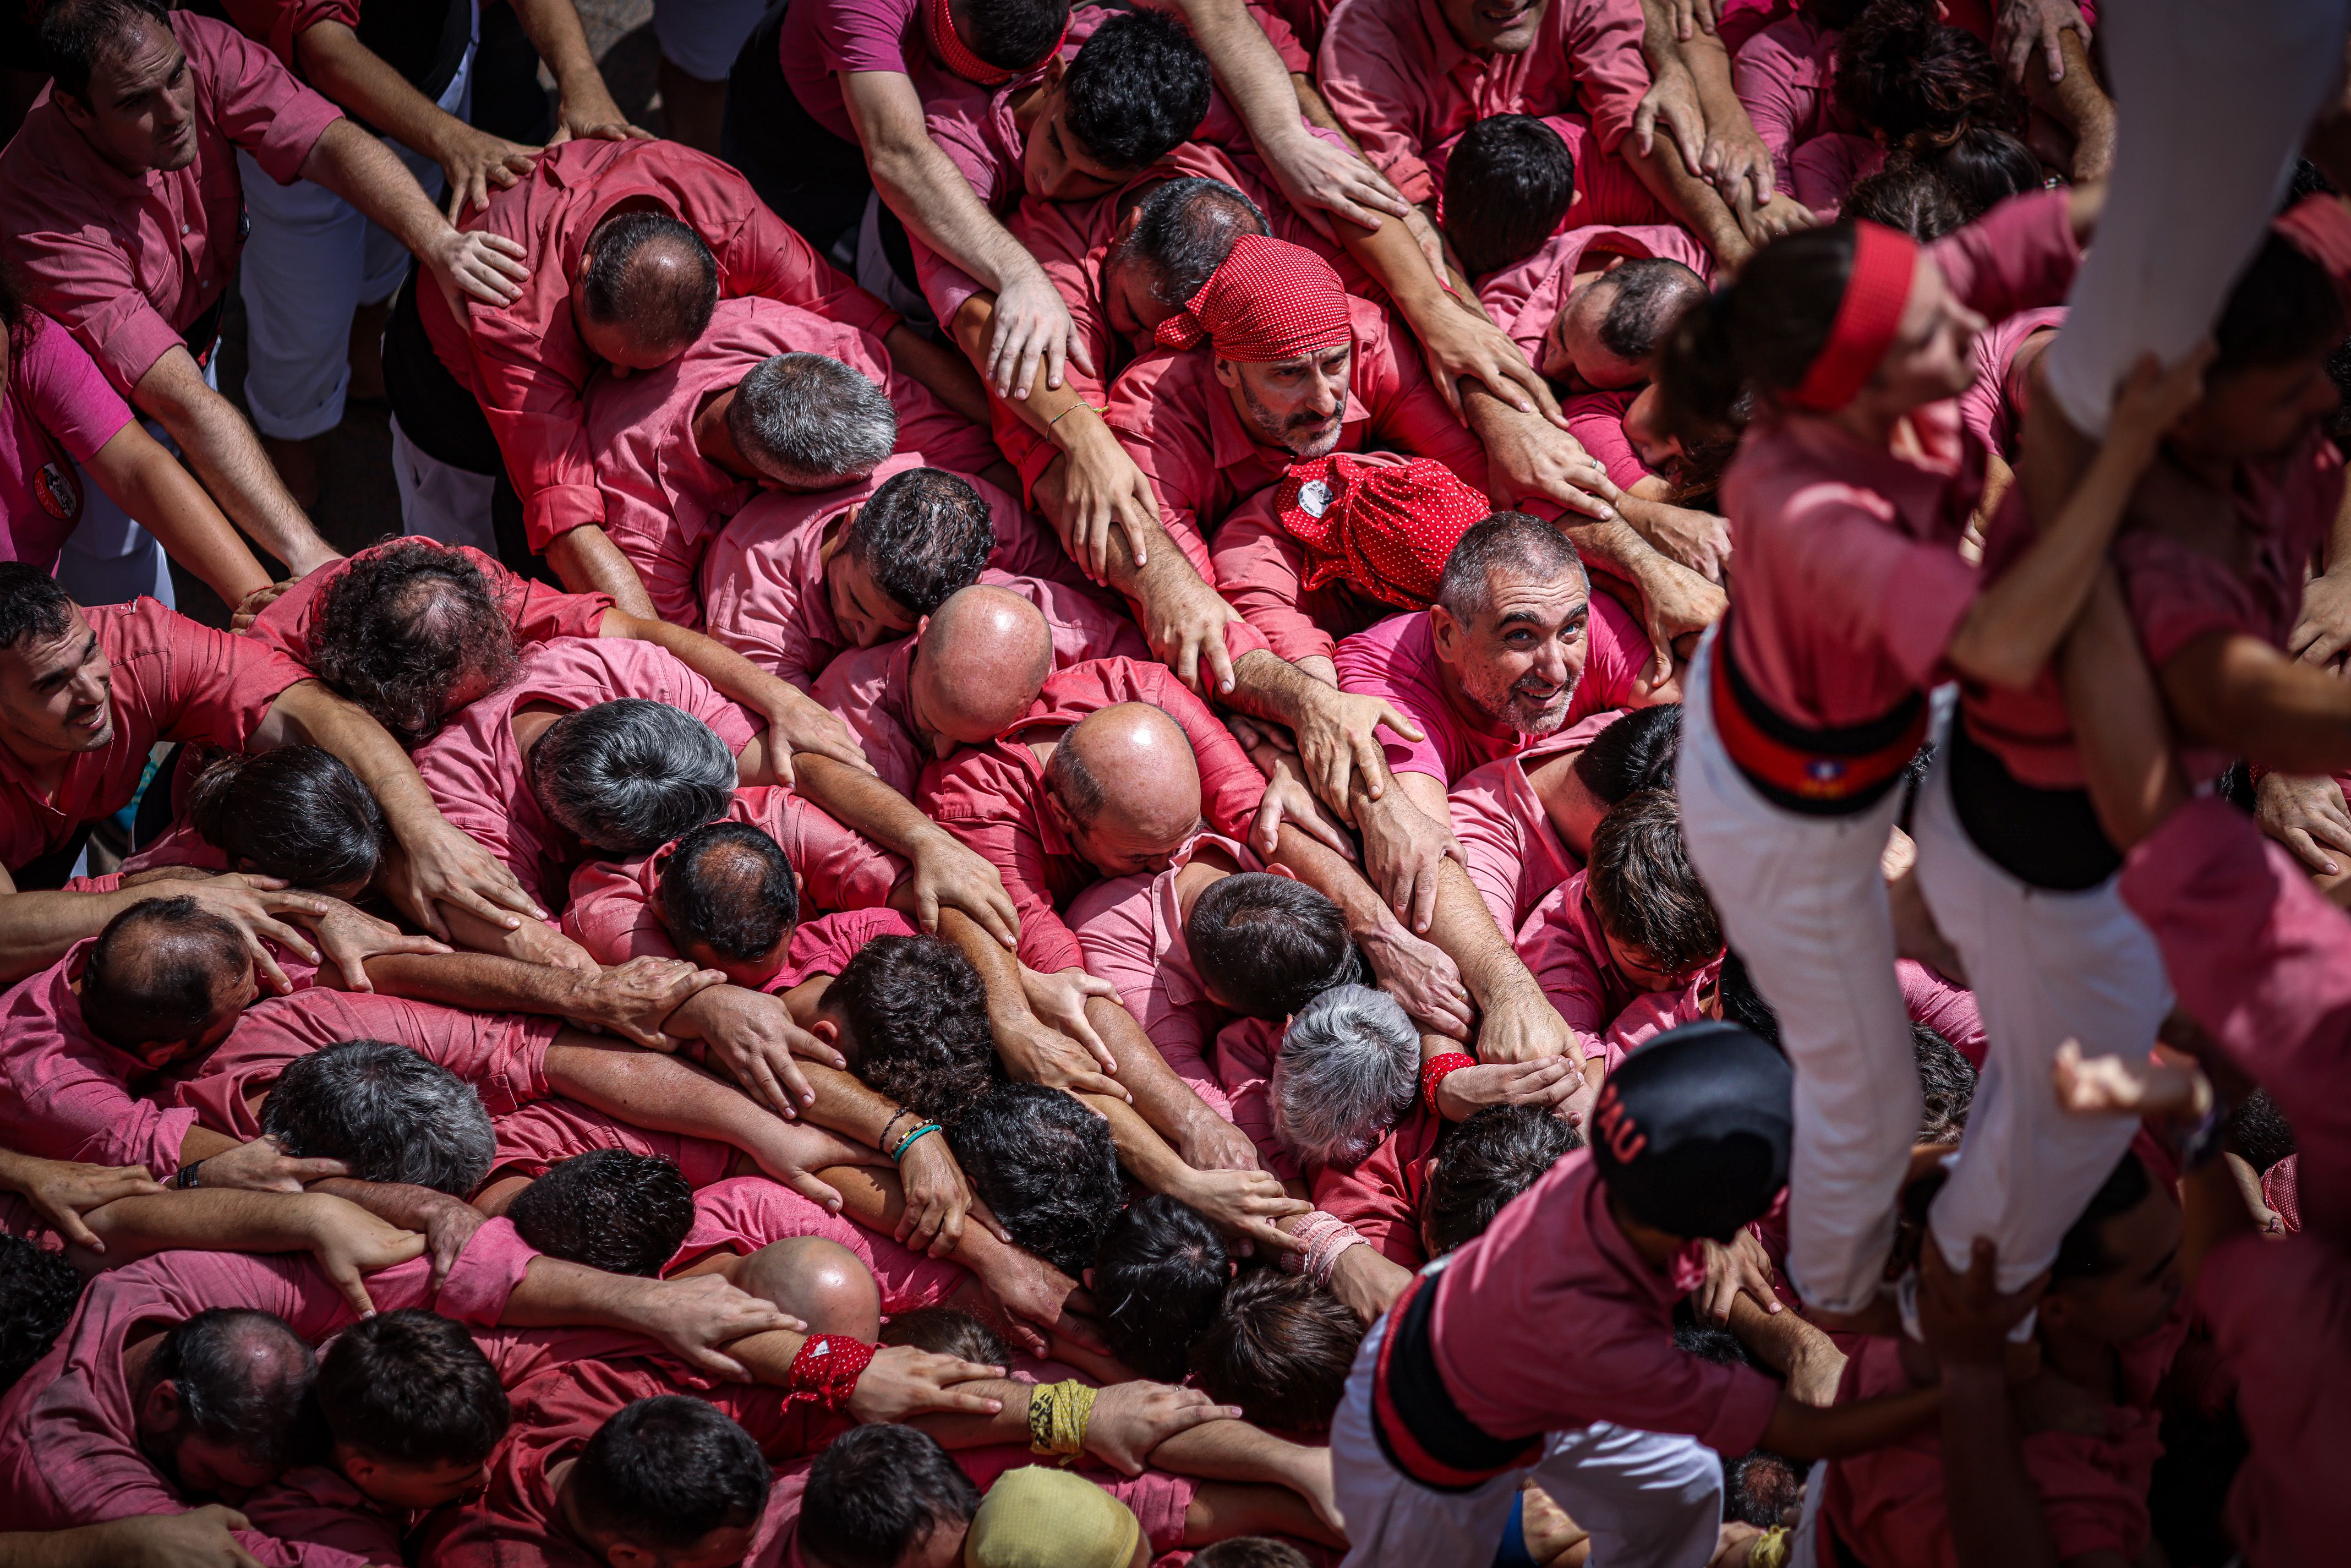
{"x": 828, "y": 1367}
{"x": 1434, "y": 1070}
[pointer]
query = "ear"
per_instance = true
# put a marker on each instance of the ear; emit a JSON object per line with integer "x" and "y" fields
{"x": 1061, "y": 818}
{"x": 1447, "y": 633}
{"x": 1055, "y": 70}
{"x": 161, "y": 1409}
{"x": 827, "y": 1031}
{"x": 1088, "y": 1276}
{"x": 75, "y": 111}
{"x": 629, "y": 1554}
{"x": 1228, "y": 373}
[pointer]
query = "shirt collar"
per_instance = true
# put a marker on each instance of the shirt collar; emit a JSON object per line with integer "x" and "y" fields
{"x": 1231, "y": 444}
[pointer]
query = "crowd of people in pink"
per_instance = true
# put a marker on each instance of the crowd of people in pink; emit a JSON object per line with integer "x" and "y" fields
{"x": 1395, "y": 784}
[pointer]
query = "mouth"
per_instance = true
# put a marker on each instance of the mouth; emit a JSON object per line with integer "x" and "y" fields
{"x": 1501, "y": 18}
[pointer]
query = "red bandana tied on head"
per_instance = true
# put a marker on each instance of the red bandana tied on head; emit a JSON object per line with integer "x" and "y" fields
{"x": 956, "y": 56}
{"x": 1885, "y": 261}
{"x": 1386, "y": 524}
{"x": 1268, "y": 300}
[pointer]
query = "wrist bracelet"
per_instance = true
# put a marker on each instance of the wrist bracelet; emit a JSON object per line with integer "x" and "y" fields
{"x": 1771, "y": 1549}
{"x": 908, "y": 1141}
{"x": 1067, "y": 412}
{"x": 884, "y": 1141}
{"x": 1435, "y": 1069}
{"x": 828, "y": 1367}
{"x": 1058, "y": 1417}
{"x": 186, "y": 1181}
{"x": 1325, "y": 1237}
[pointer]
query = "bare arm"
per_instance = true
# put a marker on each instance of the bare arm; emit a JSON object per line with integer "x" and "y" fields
{"x": 227, "y": 457}
{"x": 586, "y": 560}
{"x": 791, "y": 712}
{"x": 366, "y": 174}
{"x": 584, "y": 106}
{"x": 948, "y": 376}
{"x": 475, "y": 162}
{"x": 200, "y": 1538}
{"x": 945, "y": 874}
{"x": 149, "y": 484}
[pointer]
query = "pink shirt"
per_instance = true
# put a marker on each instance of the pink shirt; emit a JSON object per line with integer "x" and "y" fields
{"x": 69, "y": 1093}
{"x": 174, "y": 679}
{"x": 1786, "y": 77}
{"x": 664, "y": 500}
{"x": 744, "y": 1214}
{"x": 549, "y": 1131}
{"x": 988, "y": 797}
{"x": 1555, "y": 1257}
{"x": 475, "y": 770}
{"x": 613, "y": 914}
{"x": 525, "y": 361}
{"x": 1178, "y": 422}
{"x": 502, "y": 1055}
{"x": 1510, "y": 848}
{"x": 1258, "y": 569}
{"x": 1926, "y": 996}
{"x": 1401, "y": 82}
{"x": 128, "y": 262}
{"x": 1992, "y": 410}
{"x": 1564, "y": 944}
{"x": 60, "y": 410}
{"x": 1382, "y": 1197}
{"x": 763, "y": 580}
{"x": 1397, "y": 660}
{"x": 1596, "y": 420}
{"x": 1850, "y": 582}
{"x": 69, "y": 1451}
{"x": 1823, "y": 169}
{"x": 275, "y": 24}
{"x": 828, "y": 37}
{"x": 534, "y": 611}
{"x": 1526, "y": 297}
{"x": 1608, "y": 191}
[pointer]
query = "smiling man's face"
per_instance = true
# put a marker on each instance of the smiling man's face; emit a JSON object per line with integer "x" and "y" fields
{"x": 56, "y": 692}
{"x": 1495, "y": 26}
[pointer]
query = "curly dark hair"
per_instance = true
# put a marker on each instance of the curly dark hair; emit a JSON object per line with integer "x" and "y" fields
{"x": 37, "y": 1294}
{"x": 612, "y": 1209}
{"x": 1902, "y": 72}
{"x": 1488, "y": 1160}
{"x": 1158, "y": 1277}
{"x": 920, "y": 1015}
{"x": 1045, "y": 1165}
{"x": 1280, "y": 1347}
{"x": 925, "y": 535}
{"x": 403, "y": 627}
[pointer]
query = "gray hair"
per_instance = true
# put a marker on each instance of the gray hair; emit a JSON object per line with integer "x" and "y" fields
{"x": 630, "y": 775}
{"x": 801, "y": 416}
{"x": 388, "y": 1112}
{"x": 1349, "y": 1067}
{"x": 1504, "y": 542}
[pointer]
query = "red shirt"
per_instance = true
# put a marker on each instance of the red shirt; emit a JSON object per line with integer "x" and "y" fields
{"x": 536, "y": 612}
{"x": 127, "y": 262}
{"x": 1178, "y": 422}
{"x": 743, "y": 1214}
{"x": 525, "y": 361}
{"x": 69, "y": 1093}
{"x": 1526, "y": 297}
{"x": 990, "y": 797}
{"x": 56, "y": 411}
{"x": 1382, "y": 1197}
{"x": 1397, "y": 660}
{"x": 1553, "y": 1262}
{"x": 173, "y": 681}
{"x": 1399, "y": 81}
{"x": 1510, "y": 848}
{"x": 475, "y": 770}
{"x": 1850, "y": 581}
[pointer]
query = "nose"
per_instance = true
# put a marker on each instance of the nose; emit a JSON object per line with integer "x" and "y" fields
{"x": 1329, "y": 391}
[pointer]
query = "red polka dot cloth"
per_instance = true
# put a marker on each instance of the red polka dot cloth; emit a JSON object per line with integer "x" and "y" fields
{"x": 1385, "y": 523}
{"x": 1269, "y": 300}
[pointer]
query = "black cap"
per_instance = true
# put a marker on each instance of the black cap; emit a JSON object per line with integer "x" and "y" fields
{"x": 1692, "y": 1133}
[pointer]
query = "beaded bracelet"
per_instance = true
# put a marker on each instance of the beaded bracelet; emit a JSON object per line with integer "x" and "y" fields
{"x": 1057, "y": 1415}
{"x": 1435, "y": 1069}
{"x": 828, "y": 1367}
{"x": 908, "y": 1141}
{"x": 884, "y": 1141}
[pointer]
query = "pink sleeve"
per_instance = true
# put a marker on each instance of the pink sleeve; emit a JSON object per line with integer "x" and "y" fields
{"x": 1596, "y": 420}
{"x": 610, "y": 916}
{"x": 969, "y": 799}
{"x": 1827, "y": 166}
{"x": 862, "y": 35}
{"x": 1373, "y": 663}
{"x": 1375, "y": 1198}
{"x": 955, "y": 122}
{"x": 276, "y": 24}
{"x": 1117, "y": 929}
{"x": 1366, "y": 79}
{"x": 486, "y": 1275}
{"x": 65, "y": 392}
{"x": 1246, "y": 1049}
{"x": 1868, "y": 585}
{"x": 1603, "y": 45}
{"x": 1158, "y": 1500}
{"x": 2019, "y": 255}
{"x": 1556, "y": 946}
{"x": 1493, "y": 844}
{"x": 87, "y": 1113}
{"x": 255, "y": 101}
{"x": 838, "y": 868}
{"x": 1782, "y": 91}
{"x": 1257, "y": 571}
{"x": 1616, "y": 649}
{"x": 214, "y": 688}
{"x": 1948, "y": 1009}
{"x": 1231, "y": 786}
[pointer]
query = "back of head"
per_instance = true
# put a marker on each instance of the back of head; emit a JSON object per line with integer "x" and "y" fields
{"x": 728, "y": 886}
{"x": 1642, "y": 885}
{"x": 32, "y": 605}
{"x": 1984, "y": 165}
{"x": 1280, "y": 1348}
{"x": 1160, "y": 1272}
{"x": 944, "y": 1330}
{"x": 2084, "y": 1254}
{"x": 38, "y": 1293}
{"x": 1183, "y": 231}
{"x": 811, "y": 422}
{"x": 1646, "y": 296}
{"x": 612, "y": 1209}
{"x": 1492, "y": 1156}
{"x": 924, "y": 534}
{"x": 1011, "y": 34}
{"x": 1692, "y": 1132}
{"x": 651, "y": 274}
{"x": 1902, "y": 72}
{"x": 241, "y": 1376}
{"x": 1268, "y": 945}
{"x": 1133, "y": 764}
{"x": 1249, "y": 1551}
{"x": 387, "y": 1113}
{"x": 2258, "y": 1132}
{"x": 1509, "y": 542}
{"x": 1634, "y": 752}
{"x": 295, "y": 812}
{"x": 629, "y": 774}
{"x": 1349, "y": 1066}
{"x": 1911, "y": 197}
{"x": 665, "y": 1472}
{"x": 2283, "y": 308}
{"x": 1508, "y": 185}
{"x": 1946, "y": 1086}
{"x": 876, "y": 1496}
{"x": 412, "y": 1387}
{"x": 77, "y": 35}
{"x": 920, "y": 1015}
{"x": 1137, "y": 90}
{"x": 406, "y": 627}
{"x": 160, "y": 973}
{"x": 1757, "y": 334}
{"x": 985, "y": 658}
{"x": 1044, "y": 1163}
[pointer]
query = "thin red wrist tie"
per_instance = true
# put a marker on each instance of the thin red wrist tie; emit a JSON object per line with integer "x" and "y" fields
{"x": 828, "y": 1367}
{"x": 1434, "y": 1073}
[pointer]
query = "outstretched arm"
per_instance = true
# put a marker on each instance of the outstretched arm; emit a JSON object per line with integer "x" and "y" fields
{"x": 227, "y": 457}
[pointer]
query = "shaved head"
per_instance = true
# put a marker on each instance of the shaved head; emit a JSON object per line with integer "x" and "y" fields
{"x": 985, "y": 657}
{"x": 1126, "y": 781}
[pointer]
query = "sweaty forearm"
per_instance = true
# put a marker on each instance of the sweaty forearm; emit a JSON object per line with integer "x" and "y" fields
{"x": 648, "y": 1090}
{"x": 37, "y": 928}
{"x": 862, "y": 803}
{"x": 227, "y": 457}
{"x": 586, "y": 560}
{"x": 950, "y": 379}
{"x": 1689, "y": 199}
{"x": 1162, "y": 1100}
{"x": 207, "y": 1219}
{"x": 932, "y": 198}
{"x": 366, "y": 174}
{"x": 357, "y": 79}
{"x": 729, "y": 672}
{"x": 482, "y": 982}
{"x": 149, "y": 484}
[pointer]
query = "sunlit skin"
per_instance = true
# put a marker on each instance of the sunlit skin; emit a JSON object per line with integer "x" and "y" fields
{"x": 141, "y": 113}
{"x": 1518, "y": 661}
{"x": 865, "y": 614}
{"x": 1495, "y": 26}
{"x": 980, "y": 664}
{"x": 56, "y": 697}
{"x": 1297, "y": 405}
{"x": 1150, "y": 782}
{"x": 417, "y": 1486}
{"x": 1572, "y": 351}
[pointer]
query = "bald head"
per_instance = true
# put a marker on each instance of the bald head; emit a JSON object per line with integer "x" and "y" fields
{"x": 163, "y": 971}
{"x": 1127, "y": 780}
{"x": 985, "y": 657}
{"x": 653, "y": 277}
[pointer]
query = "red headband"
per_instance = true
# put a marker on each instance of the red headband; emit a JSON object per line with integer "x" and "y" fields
{"x": 1268, "y": 300}
{"x": 957, "y": 56}
{"x": 1884, "y": 263}
{"x": 2320, "y": 227}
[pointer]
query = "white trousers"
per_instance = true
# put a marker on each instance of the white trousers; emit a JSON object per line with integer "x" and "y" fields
{"x": 2047, "y": 967}
{"x": 1650, "y": 1500}
{"x": 310, "y": 261}
{"x": 440, "y": 501}
{"x": 2214, "y": 100}
{"x": 109, "y": 557}
{"x": 1802, "y": 901}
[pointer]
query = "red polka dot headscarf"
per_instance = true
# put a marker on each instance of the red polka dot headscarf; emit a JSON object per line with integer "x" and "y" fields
{"x": 1268, "y": 300}
{"x": 1385, "y": 523}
